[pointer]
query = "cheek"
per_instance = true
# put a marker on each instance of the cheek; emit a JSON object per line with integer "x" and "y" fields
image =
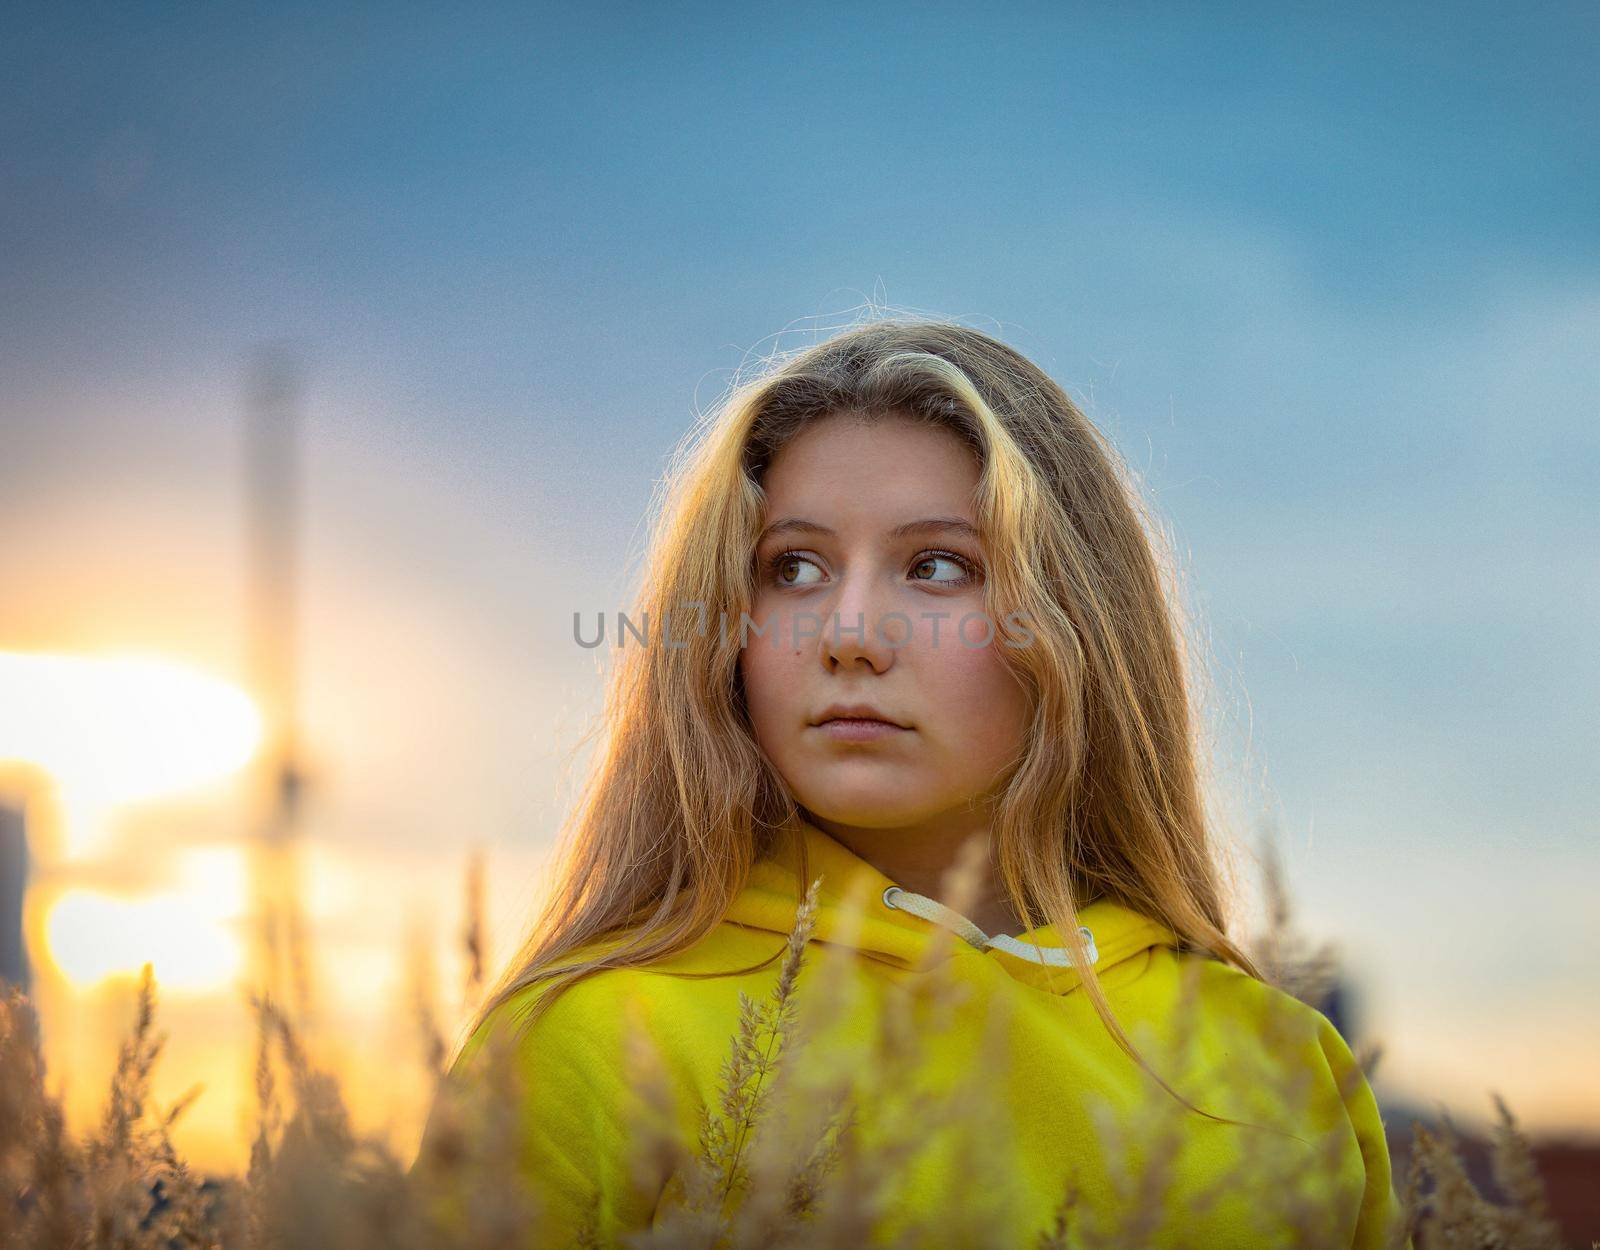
{"x": 978, "y": 702}
{"x": 770, "y": 683}
{"x": 773, "y": 666}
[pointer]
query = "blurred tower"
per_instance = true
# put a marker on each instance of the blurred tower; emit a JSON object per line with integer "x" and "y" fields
{"x": 13, "y": 886}
{"x": 279, "y": 964}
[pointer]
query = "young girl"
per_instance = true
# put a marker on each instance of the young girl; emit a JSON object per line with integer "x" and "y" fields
{"x": 903, "y": 606}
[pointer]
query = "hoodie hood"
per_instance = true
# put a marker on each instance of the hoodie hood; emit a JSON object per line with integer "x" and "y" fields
{"x": 900, "y": 929}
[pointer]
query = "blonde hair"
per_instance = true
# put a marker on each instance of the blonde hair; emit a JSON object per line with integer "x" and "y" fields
{"x": 1107, "y": 799}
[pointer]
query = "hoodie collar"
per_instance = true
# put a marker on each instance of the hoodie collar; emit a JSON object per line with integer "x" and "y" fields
{"x": 772, "y": 893}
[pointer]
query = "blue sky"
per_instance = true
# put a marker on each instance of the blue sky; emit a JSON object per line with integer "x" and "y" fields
{"x": 1329, "y": 276}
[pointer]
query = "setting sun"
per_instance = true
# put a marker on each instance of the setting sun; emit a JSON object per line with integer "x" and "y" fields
{"x": 118, "y": 728}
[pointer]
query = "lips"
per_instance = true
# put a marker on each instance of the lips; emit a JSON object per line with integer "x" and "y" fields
{"x": 858, "y": 713}
{"x": 848, "y": 731}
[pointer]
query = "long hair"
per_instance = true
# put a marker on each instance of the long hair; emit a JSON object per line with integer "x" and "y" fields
{"x": 1108, "y": 798}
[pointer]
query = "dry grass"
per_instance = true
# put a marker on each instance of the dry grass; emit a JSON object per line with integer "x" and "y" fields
{"x": 778, "y": 1163}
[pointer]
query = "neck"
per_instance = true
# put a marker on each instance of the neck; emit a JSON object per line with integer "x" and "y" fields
{"x": 917, "y": 857}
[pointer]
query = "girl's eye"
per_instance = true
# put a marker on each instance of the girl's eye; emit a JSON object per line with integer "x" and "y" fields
{"x": 931, "y": 560}
{"x": 788, "y": 569}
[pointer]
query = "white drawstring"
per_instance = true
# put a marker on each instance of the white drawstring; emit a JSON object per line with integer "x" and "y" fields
{"x": 932, "y": 909}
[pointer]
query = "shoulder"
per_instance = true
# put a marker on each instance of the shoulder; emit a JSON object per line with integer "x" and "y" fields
{"x": 582, "y": 1074}
{"x": 676, "y": 1013}
{"x": 578, "y": 1024}
{"x": 1219, "y": 995}
{"x": 569, "y": 1092}
{"x": 1214, "y": 1016}
{"x": 1250, "y": 1051}
{"x": 1302, "y": 1075}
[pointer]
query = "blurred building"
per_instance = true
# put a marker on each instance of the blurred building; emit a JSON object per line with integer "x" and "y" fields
{"x": 13, "y": 885}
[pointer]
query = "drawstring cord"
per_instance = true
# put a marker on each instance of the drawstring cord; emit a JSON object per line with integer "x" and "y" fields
{"x": 932, "y": 909}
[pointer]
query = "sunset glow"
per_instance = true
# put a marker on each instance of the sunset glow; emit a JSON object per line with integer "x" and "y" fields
{"x": 192, "y": 933}
{"x": 114, "y": 729}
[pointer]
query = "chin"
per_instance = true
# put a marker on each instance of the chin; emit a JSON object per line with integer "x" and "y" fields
{"x": 863, "y": 804}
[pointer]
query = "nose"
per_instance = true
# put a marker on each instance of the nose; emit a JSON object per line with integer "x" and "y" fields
{"x": 856, "y": 630}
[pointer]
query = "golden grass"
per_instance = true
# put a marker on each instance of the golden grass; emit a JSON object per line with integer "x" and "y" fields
{"x": 777, "y": 1162}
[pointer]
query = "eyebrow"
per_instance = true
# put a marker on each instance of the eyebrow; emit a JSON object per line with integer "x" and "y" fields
{"x": 946, "y": 524}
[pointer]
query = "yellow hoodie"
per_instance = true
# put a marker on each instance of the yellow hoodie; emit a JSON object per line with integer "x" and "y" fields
{"x": 1064, "y": 1106}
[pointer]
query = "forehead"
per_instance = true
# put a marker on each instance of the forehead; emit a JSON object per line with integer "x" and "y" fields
{"x": 881, "y": 463}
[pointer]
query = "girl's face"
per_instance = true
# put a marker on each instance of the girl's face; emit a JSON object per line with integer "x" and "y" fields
{"x": 868, "y": 563}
